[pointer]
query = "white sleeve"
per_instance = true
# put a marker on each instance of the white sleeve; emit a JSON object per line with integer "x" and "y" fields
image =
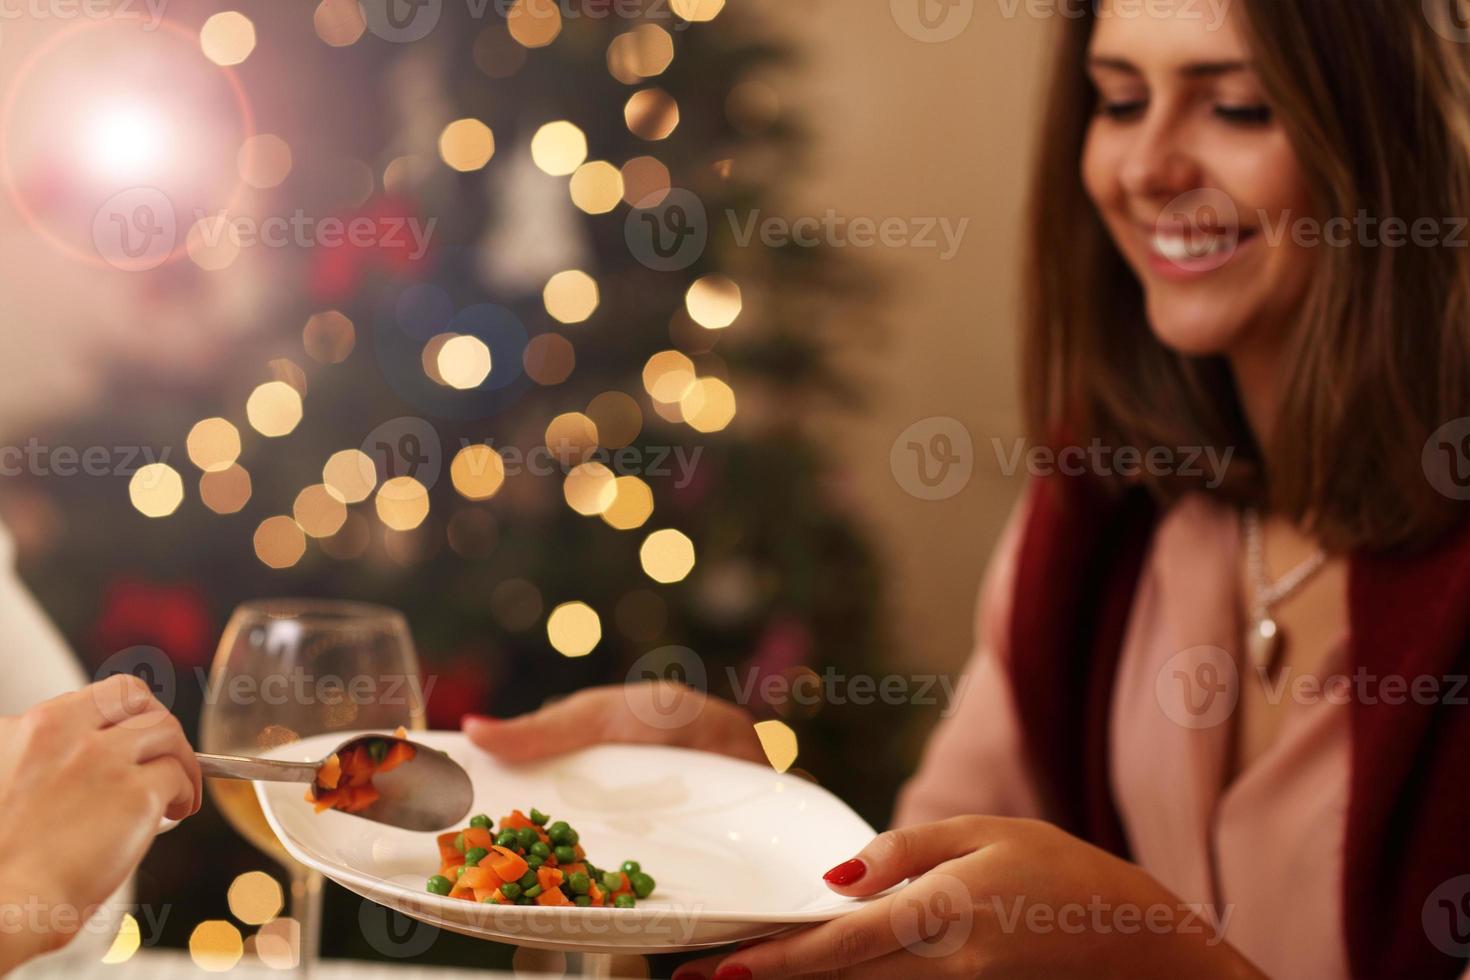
{"x": 34, "y": 659}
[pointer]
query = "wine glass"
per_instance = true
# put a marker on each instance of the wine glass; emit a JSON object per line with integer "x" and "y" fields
{"x": 290, "y": 668}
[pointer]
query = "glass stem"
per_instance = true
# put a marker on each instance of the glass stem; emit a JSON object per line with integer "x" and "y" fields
{"x": 306, "y": 909}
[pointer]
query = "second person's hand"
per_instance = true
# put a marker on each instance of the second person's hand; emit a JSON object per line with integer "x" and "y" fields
{"x": 646, "y": 713}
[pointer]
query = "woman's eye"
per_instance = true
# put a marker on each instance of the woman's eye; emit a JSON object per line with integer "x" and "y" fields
{"x": 1120, "y": 109}
{"x": 1244, "y": 115}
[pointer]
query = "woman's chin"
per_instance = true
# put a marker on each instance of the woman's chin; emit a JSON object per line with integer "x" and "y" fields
{"x": 1195, "y": 329}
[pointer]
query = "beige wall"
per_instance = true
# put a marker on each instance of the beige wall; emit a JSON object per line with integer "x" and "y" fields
{"x": 927, "y": 130}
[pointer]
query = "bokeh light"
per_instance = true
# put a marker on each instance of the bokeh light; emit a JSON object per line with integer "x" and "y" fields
{"x": 570, "y": 436}
{"x": 534, "y": 23}
{"x": 651, "y": 114}
{"x": 646, "y": 182}
{"x": 339, "y": 22}
{"x": 466, "y": 144}
{"x": 697, "y": 11}
{"x": 279, "y": 542}
{"x": 714, "y": 302}
{"x": 215, "y": 945}
{"x": 574, "y": 629}
{"x": 225, "y": 491}
{"x": 274, "y": 409}
{"x": 617, "y": 418}
{"x": 464, "y": 362}
{"x": 477, "y": 472}
{"x": 329, "y": 337}
{"x": 549, "y": 359}
{"x": 319, "y": 512}
{"x": 597, "y": 187}
{"x": 156, "y": 490}
{"x": 213, "y": 444}
{"x": 129, "y": 937}
{"x": 227, "y": 38}
{"x": 590, "y": 489}
{"x": 255, "y": 898}
{"x": 278, "y": 944}
{"x": 264, "y": 160}
{"x": 350, "y": 475}
{"x": 632, "y": 504}
{"x": 708, "y": 405}
{"x": 559, "y": 148}
{"x": 213, "y": 242}
{"x": 668, "y": 375}
{"x": 779, "y": 743}
{"x": 667, "y": 556}
{"x": 643, "y": 52}
{"x": 571, "y": 296}
{"x": 402, "y": 503}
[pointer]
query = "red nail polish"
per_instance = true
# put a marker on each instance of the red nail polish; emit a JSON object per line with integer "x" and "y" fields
{"x": 846, "y": 873}
{"x": 732, "y": 971}
{"x": 688, "y": 975}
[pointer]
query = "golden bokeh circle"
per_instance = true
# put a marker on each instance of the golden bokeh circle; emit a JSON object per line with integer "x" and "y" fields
{"x": 574, "y": 629}
{"x": 478, "y": 472}
{"x": 156, "y": 490}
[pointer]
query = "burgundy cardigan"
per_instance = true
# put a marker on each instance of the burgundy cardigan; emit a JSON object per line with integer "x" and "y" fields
{"x": 1408, "y": 820}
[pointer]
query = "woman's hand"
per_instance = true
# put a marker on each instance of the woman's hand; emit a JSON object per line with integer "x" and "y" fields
{"x": 649, "y": 713}
{"x": 85, "y": 779}
{"x": 993, "y": 897}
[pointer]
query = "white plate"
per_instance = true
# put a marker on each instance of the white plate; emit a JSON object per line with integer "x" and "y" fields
{"x": 738, "y": 850}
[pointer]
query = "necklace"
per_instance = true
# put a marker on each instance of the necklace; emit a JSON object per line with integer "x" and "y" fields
{"x": 1264, "y": 639}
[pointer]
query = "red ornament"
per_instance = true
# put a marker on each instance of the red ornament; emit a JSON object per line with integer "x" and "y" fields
{"x": 174, "y": 618}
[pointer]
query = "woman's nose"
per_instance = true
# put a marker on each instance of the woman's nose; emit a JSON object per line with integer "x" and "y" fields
{"x": 1157, "y": 164}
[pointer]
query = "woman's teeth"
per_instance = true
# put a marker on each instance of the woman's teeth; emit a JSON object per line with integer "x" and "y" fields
{"x": 1178, "y": 248}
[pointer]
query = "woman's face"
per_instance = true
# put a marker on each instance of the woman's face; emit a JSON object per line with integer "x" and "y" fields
{"x": 1193, "y": 176}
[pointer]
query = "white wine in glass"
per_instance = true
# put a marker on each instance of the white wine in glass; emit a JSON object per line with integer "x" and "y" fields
{"x": 290, "y": 668}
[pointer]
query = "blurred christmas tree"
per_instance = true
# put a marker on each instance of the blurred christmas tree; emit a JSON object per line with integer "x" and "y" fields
{"x": 578, "y": 176}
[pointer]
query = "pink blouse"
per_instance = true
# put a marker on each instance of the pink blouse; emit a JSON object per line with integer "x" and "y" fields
{"x": 1265, "y": 851}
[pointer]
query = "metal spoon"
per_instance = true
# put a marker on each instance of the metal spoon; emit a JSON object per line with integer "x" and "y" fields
{"x": 428, "y": 792}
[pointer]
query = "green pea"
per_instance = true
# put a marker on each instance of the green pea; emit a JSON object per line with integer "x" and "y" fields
{"x": 625, "y": 901}
{"x": 480, "y": 820}
{"x": 439, "y": 885}
{"x": 558, "y": 832}
{"x": 571, "y": 836}
{"x": 490, "y": 900}
{"x": 579, "y": 883}
{"x": 459, "y": 843}
{"x": 542, "y": 849}
{"x": 378, "y": 750}
{"x": 474, "y": 856}
{"x": 523, "y": 900}
{"x": 506, "y": 838}
{"x": 631, "y": 867}
{"x": 511, "y": 890}
{"x": 535, "y": 861}
{"x": 526, "y": 836}
{"x": 533, "y": 891}
{"x": 642, "y": 884}
{"x": 565, "y": 854}
{"x": 538, "y": 818}
{"x": 612, "y": 881}
{"x": 528, "y": 880}
{"x": 582, "y": 900}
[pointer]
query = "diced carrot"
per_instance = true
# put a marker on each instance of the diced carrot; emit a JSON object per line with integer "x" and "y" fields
{"x": 516, "y": 821}
{"x": 507, "y": 863}
{"x": 461, "y": 891}
{"x": 397, "y": 756}
{"x": 573, "y": 868}
{"x": 400, "y": 732}
{"x": 451, "y": 871}
{"x": 480, "y": 878}
{"x": 489, "y": 893}
{"x": 595, "y": 893}
{"x": 552, "y": 896}
{"x": 548, "y": 878}
{"x": 447, "y": 852}
{"x": 577, "y": 850}
{"x": 330, "y": 772}
{"x": 477, "y": 837}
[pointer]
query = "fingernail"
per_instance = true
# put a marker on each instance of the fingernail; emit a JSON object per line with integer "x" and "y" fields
{"x": 477, "y": 719}
{"x": 846, "y": 873}
{"x": 688, "y": 975}
{"x": 732, "y": 971}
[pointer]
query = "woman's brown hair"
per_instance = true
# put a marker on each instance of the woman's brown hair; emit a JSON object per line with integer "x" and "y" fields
{"x": 1375, "y": 96}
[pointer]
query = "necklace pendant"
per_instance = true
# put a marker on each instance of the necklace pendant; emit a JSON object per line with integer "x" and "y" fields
{"x": 1263, "y": 641}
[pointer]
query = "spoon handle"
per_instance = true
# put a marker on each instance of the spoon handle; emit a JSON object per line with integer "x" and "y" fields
{"x": 244, "y": 767}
